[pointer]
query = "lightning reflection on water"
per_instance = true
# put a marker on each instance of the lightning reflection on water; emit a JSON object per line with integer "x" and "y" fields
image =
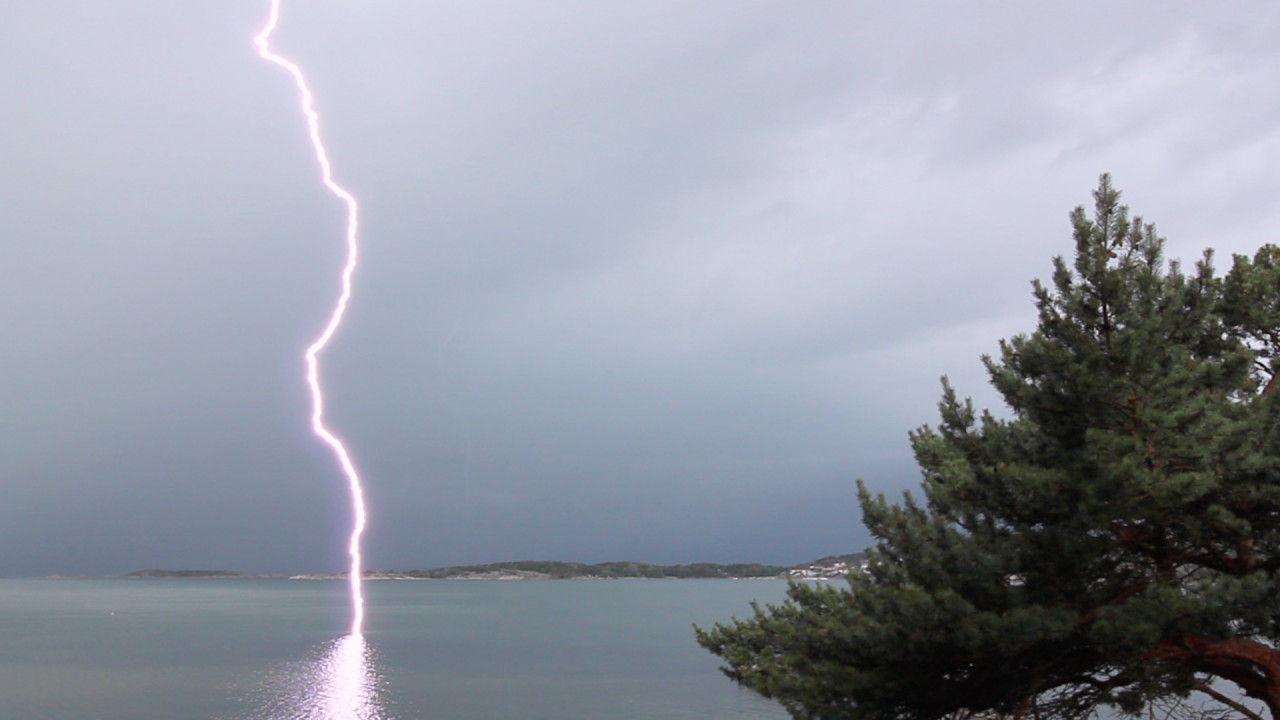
{"x": 340, "y": 683}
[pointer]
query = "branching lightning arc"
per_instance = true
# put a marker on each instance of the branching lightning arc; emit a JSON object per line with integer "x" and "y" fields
{"x": 359, "y": 517}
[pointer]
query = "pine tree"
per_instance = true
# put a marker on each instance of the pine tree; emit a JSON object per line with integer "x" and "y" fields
{"x": 1114, "y": 540}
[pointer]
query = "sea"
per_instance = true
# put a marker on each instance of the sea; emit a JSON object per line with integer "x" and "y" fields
{"x": 277, "y": 649}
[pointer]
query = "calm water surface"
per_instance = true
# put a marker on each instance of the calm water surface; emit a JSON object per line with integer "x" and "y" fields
{"x": 442, "y": 650}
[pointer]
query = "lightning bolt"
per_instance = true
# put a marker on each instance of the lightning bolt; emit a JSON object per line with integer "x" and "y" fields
{"x": 359, "y": 516}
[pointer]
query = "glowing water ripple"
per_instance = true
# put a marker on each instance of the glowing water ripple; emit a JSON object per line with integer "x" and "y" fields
{"x": 340, "y": 683}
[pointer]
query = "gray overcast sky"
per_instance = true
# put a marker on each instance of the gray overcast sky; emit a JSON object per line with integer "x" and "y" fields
{"x": 647, "y": 280}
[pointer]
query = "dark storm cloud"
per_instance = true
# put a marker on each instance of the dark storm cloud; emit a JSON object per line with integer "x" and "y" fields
{"x": 651, "y": 280}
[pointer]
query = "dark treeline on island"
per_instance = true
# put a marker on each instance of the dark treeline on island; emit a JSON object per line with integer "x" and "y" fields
{"x": 567, "y": 570}
{"x": 833, "y": 566}
{"x": 827, "y": 567}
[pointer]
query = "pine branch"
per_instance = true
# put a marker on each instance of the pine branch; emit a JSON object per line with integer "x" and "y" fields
{"x": 1229, "y": 702}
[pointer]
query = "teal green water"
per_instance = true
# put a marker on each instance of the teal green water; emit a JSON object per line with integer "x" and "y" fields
{"x": 438, "y": 650}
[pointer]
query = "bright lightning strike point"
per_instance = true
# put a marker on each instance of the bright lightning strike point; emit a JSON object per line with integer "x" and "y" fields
{"x": 262, "y": 41}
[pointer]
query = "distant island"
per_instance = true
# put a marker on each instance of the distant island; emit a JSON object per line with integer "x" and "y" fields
{"x": 185, "y": 574}
{"x": 833, "y": 566}
{"x": 552, "y": 570}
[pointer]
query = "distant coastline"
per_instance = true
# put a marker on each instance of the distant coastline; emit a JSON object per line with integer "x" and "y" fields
{"x": 830, "y": 567}
{"x": 157, "y": 573}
